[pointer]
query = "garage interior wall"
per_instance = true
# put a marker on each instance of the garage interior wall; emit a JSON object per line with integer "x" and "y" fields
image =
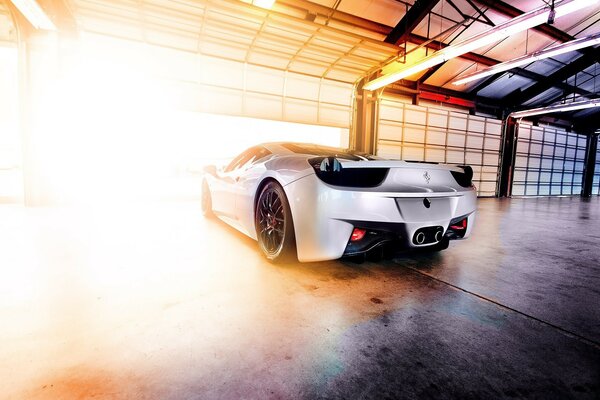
{"x": 549, "y": 161}
{"x": 439, "y": 134}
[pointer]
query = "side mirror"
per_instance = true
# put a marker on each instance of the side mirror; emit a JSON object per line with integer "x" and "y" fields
{"x": 210, "y": 169}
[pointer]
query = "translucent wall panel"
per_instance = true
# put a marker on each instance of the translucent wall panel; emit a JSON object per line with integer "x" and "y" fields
{"x": 549, "y": 161}
{"x": 195, "y": 82}
{"x": 438, "y": 134}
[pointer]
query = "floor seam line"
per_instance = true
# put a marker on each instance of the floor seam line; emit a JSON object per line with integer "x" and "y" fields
{"x": 556, "y": 327}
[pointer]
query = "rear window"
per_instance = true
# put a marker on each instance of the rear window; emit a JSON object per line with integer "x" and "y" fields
{"x": 324, "y": 151}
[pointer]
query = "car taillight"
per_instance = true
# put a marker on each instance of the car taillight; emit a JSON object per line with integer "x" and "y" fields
{"x": 460, "y": 225}
{"x": 357, "y": 234}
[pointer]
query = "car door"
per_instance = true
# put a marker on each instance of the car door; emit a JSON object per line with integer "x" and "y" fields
{"x": 247, "y": 181}
{"x": 223, "y": 189}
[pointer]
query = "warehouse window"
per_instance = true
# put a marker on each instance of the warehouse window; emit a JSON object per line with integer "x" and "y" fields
{"x": 439, "y": 134}
{"x": 549, "y": 161}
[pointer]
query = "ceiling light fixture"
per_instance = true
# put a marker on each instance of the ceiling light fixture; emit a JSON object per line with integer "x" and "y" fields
{"x": 576, "y": 105}
{"x": 526, "y": 59}
{"x": 34, "y": 14}
{"x": 495, "y": 34}
{"x": 264, "y": 3}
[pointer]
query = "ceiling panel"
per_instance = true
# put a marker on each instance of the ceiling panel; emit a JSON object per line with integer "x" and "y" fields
{"x": 387, "y": 12}
{"x": 544, "y": 67}
{"x": 586, "y": 112}
{"x": 448, "y": 71}
{"x": 543, "y": 97}
{"x": 518, "y": 45}
{"x": 505, "y": 85}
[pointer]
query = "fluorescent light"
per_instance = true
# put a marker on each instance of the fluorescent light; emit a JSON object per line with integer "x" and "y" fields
{"x": 495, "y": 34}
{"x": 576, "y": 105}
{"x": 264, "y": 3}
{"x": 34, "y": 14}
{"x": 526, "y": 59}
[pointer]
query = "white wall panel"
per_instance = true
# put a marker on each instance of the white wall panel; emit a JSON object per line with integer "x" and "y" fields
{"x": 201, "y": 83}
{"x": 549, "y": 161}
{"x": 438, "y": 134}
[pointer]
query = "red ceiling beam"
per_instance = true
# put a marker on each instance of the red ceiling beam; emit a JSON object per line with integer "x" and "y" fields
{"x": 442, "y": 98}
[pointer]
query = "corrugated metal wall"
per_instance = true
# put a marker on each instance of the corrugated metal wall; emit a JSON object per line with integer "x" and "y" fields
{"x": 445, "y": 135}
{"x": 549, "y": 161}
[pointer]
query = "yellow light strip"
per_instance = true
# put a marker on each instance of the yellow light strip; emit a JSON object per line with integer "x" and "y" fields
{"x": 524, "y": 60}
{"x": 577, "y": 105}
{"x": 268, "y": 4}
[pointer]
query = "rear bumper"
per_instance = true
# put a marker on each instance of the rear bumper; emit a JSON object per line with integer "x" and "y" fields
{"x": 325, "y": 216}
{"x": 397, "y": 236}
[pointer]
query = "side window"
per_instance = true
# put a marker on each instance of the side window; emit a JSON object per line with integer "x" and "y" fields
{"x": 240, "y": 160}
{"x": 247, "y": 158}
{"x": 259, "y": 154}
{"x": 262, "y": 154}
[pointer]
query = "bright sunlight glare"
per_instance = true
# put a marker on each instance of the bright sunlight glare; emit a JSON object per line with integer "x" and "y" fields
{"x": 111, "y": 129}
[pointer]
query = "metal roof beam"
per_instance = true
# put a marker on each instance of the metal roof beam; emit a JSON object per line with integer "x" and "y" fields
{"x": 557, "y": 78}
{"x": 512, "y": 12}
{"x": 474, "y": 57}
{"x": 410, "y": 20}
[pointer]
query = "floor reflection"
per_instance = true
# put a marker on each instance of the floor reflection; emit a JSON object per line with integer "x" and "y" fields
{"x": 153, "y": 301}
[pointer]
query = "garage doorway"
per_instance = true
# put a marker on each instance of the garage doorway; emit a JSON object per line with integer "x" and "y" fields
{"x": 11, "y": 173}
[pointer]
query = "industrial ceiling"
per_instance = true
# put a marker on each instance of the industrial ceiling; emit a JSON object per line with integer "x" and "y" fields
{"x": 346, "y": 40}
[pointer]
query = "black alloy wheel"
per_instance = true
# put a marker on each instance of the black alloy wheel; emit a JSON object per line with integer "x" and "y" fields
{"x": 274, "y": 226}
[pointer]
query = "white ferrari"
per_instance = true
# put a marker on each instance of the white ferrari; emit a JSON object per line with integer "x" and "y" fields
{"x": 321, "y": 203}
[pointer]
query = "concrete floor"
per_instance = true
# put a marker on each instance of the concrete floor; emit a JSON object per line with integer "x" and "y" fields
{"x": 153, "y": 302}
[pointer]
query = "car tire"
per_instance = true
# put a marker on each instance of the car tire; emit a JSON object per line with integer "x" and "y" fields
{"x": 206, "y": 201}
{"x": 274, "y": 224}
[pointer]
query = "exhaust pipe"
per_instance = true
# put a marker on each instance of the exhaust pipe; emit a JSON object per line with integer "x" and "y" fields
{"x": 420, "y": 238}
{"x": 438, "y": 236}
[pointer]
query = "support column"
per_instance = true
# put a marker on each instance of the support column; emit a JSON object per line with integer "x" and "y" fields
{"x": 365, "y": 115}
{"x": 42, "y": 59}
{"x": 590, "y": 163}
{"x": 38, "y": 67}
{"x": 507, "y": 163}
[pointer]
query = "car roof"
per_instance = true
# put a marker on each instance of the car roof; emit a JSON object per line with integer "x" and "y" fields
{"x": 311, "y": 149}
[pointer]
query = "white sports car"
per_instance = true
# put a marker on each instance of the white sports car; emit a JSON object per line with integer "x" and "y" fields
{"x": 322, "y": 203}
